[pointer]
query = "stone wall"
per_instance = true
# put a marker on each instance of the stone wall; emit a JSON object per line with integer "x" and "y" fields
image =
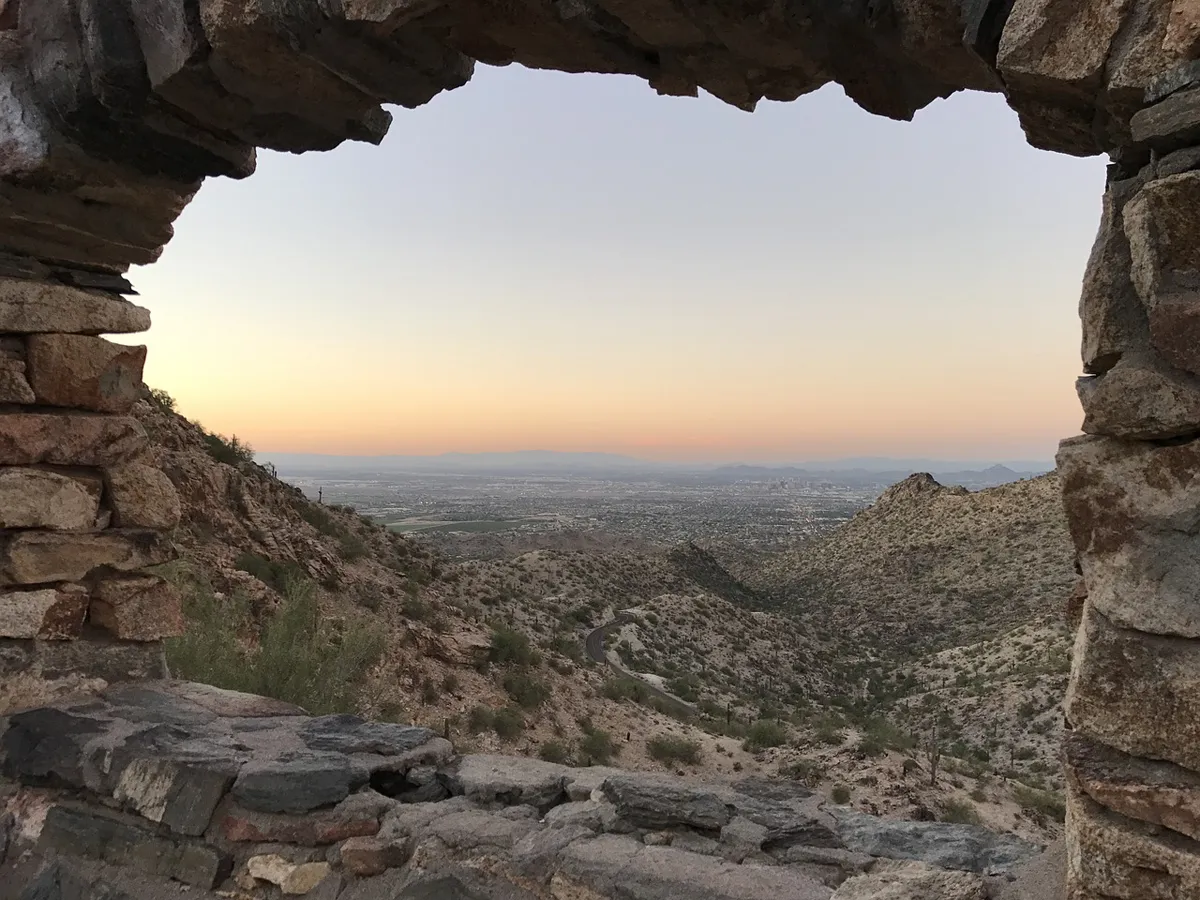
{"x": 1133, "y": 505}
{"x": 145, "y": 785}
{"x": 112, "y": 113}
{"x": 80, "y": 513}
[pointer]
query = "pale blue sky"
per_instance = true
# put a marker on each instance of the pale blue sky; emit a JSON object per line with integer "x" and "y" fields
{"x": 553, "y": 261}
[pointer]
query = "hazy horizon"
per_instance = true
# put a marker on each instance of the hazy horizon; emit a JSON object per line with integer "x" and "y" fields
{"x": 571, "y": 262}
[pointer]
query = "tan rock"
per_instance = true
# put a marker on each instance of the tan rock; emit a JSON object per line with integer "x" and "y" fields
{"x": 1164, "y": 243}
{"x": 1183, "y": 29}
{"x": 31, "y": 307}
{"x": 890, "y": 880}
{"x": 38, "y": 557}
{"x": 137, "y": 608}
{"x": 142, "y": 496}
{"x": 367, "y": 856}
{"x": 53, "y": 613}
{"x": 14, "y": 388}
{"x": 42, "y": 498}
{"x": 1137, "y": 57}
{"x": 1052, "y": 56}
{"x": 1138, "y": 693}
{"x": 1133, "y": 510}
{"x": 1110, "y": 310}
{"x": 1117, "y": 857}
{"x": 291, "y": 878}
{"x": 1156, "y": 792}
{"x": 1141, "y": 398}
{"x": 84, "y": 372}
{"x": 69, "y": 439}
{"x": 1059, "y": 45}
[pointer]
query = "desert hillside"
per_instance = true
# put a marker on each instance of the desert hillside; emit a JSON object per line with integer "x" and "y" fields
{"x": 796, "y": 674}
{"x": 928, "y": 567}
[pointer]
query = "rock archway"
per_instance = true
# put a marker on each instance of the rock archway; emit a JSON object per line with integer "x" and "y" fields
{"x": 112, "y": 112}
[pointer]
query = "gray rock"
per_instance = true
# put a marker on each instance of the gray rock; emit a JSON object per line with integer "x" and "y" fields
{"x": 298, "y": 783}
{"x": 536, "y": 854}
{"x": 413, "y": 819}
{"x": 1171, "y": 123}
{"x": 47, "y": 743}
{"x": 582, "y": 783}
{"x": 1131, "y": 510}
{"x": 690, "y": 842}
{"x": 912, "y": 881}
{"x": 850, "y": 862}
{"x": 477, "y": 828}
{"x": 1119, "y": 674}
{"x": 351, "y": 734}
{"x": 1111, "y": 312}
{"x": 968, "y": 848}
{"x": 1180, "y": 161}
{"x": 621, "y": 867}
{"x": 741, "y": 838}
{"x": 181, "y": 793}
{"x": 519, "y": 813}
{"x": 655, "y": 802}
{"x": 582, "y": 813}
{"x": 121, "y": 840}
{"x": 509, "y": 781}
{"x": 1141, "y": 398}
{"x": 59, "y": 880}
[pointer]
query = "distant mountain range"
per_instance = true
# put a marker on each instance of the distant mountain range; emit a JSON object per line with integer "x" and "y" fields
{"x": 550, "y": 462}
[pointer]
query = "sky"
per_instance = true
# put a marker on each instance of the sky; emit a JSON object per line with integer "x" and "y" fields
{"x": 540, "y": 261}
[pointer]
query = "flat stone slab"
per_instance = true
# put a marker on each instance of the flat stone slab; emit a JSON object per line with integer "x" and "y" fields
{"x": 510, "y": 781}
{"x": 967, "y": 848}
{"x": 172, "y": 752}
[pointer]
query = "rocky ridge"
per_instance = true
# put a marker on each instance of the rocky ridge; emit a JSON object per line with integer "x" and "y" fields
{"x": 227, "y": 791}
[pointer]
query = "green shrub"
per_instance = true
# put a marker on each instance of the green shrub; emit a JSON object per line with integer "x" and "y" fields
{"x": 960, "y": 812}
{"x": 275, "y": 573}
{"x": 1044, "y": 802}
{"x": 232, "y": 451}
{"x": 840, "y": 794}
{"x": 300, "y": 658}
{"x": 526, "y": 690}
{"x": 597, "y": 747}
{"x": 319, "y": 518}
{"x": 416, "y": 608}
{"x": 806, "y": 771}
{"x": 450, "y": 683}
{"x": 510, "y": 648}
{"x": 671, "y": 749}
{"x": 625, "y": 689}
{"x": 765, "y": 733}
{"x": 479, "y": 719}
{"x": 554, "y": 751}
{"x": 351, "y": 547}
{"x": 508, "y": 723}
{"x": 161, "y": 399}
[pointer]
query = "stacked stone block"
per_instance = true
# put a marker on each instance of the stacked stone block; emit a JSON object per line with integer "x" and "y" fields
{"x": 1131, "y": 486}
{"x": 82, "y": 512}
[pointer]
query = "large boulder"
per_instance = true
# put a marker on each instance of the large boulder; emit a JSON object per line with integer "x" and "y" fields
{"x": 509, "y": 780}
{"x": 1133, "y": 509}
{"x": 966, "y": 848}
{"x": 656, "y": 802}
{"x": 1136, "y": 692}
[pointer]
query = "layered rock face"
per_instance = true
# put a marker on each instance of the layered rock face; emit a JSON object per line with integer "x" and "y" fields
{"x": 79, "y": 514}
{"x": 112, "y": 113}
{"x": 1130, "y": 489}
{"x": 176, "y": 782}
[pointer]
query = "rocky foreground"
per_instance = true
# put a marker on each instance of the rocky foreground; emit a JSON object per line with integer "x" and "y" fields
{"x": 147, "y": 790}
